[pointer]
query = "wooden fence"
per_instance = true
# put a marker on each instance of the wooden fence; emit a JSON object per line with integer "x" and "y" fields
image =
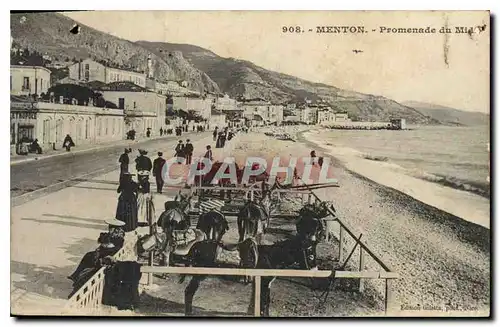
{"x": 259, "y": 273}
{"x": 90, "y": 294}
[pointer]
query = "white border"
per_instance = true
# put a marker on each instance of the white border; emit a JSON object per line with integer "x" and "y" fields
{"x": 188, "y": 5}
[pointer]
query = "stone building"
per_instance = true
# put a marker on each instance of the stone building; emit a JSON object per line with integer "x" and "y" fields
{"x": 262, "y": 112}
{"x": 51, "y": 122}
{"x": 143, "y": 110}
{"x": 225, "y": 103}
{"x": 28, "y": 80}
{"x": 201, "y": 105}
{"x": 89, "y": 70}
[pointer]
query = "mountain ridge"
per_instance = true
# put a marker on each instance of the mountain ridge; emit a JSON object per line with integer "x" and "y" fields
{"x": 204, "y": 70}
{"x": 449, "y": 115}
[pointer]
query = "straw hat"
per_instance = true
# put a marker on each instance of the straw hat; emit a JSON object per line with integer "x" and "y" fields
{"x": 114, "y": 222}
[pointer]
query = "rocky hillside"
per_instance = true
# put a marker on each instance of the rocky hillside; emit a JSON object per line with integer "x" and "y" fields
{"x": 450, "y": 116}
{"x": 49, "y": 33}
{"x": 243, "y": 78}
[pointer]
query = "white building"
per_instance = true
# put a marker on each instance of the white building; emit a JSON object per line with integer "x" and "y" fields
{"x": 143, "y": 110}
{"x": 28, "y": 80}
{"x": 51, "y": 122}
{"x": 89, "y": 70}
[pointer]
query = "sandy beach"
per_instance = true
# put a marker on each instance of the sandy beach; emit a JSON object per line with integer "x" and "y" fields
{"x": 443, "y": 260}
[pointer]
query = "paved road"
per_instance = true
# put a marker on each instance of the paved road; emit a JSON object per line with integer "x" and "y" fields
{"x": 33, "y": 175}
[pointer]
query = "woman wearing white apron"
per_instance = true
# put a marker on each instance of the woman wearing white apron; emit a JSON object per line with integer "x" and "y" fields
{"x": 145, "y": 204}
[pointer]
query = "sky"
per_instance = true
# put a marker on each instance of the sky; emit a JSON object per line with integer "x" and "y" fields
{"x": 445, "y": 69}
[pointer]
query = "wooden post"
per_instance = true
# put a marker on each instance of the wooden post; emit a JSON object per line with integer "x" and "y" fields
{"x": 388, "y": 295}
{"x": 341, "y": 243}
{"x": 361, "y": 268}
{"x": 256, "y": 297}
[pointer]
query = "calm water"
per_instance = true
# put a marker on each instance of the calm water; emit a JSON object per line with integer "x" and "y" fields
{"x": 454, "y": 156}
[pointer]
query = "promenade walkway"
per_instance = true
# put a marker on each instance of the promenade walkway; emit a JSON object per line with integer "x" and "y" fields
{"x": 50, "y": 234}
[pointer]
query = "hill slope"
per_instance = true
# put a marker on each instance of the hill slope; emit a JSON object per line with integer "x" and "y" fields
{"x": 243, "y": 78}
{"x": 449, "y": 115}
{"x": 49, "y": 33}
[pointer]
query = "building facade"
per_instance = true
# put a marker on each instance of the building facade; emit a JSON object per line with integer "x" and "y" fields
{"x": 29, "y": 80}
{"x": 89, "y": 70}
{"x": 201, "y": 105}
{"x": 262, "y": 112}
{"x": 51, "y": 122}
{"x": 225, "y": 103}
{"x": 143, "y": 110}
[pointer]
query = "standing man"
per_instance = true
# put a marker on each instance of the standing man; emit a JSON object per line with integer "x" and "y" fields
{"x": 208, "y": 154}
{"x": 161, "y": 131}
{"x": 142, "y": 162}
{"x": 148, "y": 132}
{"x": 214, "y": 134}
{"x": 179, "y": 149}
{"x": 188, "y": 150}
{"x": 157, "y": 172}
{"x": 124, "y": 161}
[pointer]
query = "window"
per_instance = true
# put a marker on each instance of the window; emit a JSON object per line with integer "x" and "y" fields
{"x": 36, "y": 85}
{"x": 26, "y": 83}
{"x": 41, "y": 85}
{"x": 121, "y": 103}
{"x": 87, "y": 72}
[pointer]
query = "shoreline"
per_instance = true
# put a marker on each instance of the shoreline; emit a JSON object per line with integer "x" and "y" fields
{"x": 462, "y": 204}
{"x": 443, "y": 261}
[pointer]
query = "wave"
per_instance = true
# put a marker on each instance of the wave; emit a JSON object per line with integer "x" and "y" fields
{"x": 479, "y": 188}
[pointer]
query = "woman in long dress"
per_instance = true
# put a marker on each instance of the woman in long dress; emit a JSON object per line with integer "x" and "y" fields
{"x": 144, "y": 199}
{"x": 126, "y": 210}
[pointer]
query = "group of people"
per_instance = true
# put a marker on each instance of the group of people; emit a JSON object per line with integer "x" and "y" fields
{"x": 220, "y": 137}
{"x": 184, "y": 151}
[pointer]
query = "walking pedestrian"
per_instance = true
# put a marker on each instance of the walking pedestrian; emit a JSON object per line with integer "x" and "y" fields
{"x": 124, "y": 161}
{"x": 126, "y": 210}
{"x": 142, "y": 162}
{"x": 158, "y": 164}
{"x": 148, "y": 132}
{"x": 161, "y": 131}
{"x": 215, "y": 133}
{"x": 188, "y": 150}
{"x": 179, "y": 149}
{"x": 208, "y": 154}
{"x": 68, "y": 143}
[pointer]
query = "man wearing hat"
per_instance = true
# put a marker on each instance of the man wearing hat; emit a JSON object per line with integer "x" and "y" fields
{"x": 142, "y": 162}
{"x": 124, "y": 161}
{"x": 208, "y": 154}
{"x": 188, "y": 150}
{"x": 179, "y": 150}
{"x": 158, "y": 164}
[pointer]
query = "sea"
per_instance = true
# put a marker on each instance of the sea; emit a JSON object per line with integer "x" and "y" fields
{"x": 456, "y": 157}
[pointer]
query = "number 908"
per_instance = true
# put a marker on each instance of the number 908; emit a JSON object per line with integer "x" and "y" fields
{"x": 291, "y": 29}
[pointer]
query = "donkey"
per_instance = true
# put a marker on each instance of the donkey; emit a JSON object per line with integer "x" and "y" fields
{"x": 301, "y": 249}
{"x": 254, "y": 218}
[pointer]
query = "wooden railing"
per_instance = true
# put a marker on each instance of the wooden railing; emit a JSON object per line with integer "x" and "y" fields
{"x": 259, "y": 273}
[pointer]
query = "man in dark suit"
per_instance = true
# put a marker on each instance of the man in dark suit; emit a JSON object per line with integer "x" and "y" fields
{"x": 157, "y": 172}
{"x": 188, "y": 150}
